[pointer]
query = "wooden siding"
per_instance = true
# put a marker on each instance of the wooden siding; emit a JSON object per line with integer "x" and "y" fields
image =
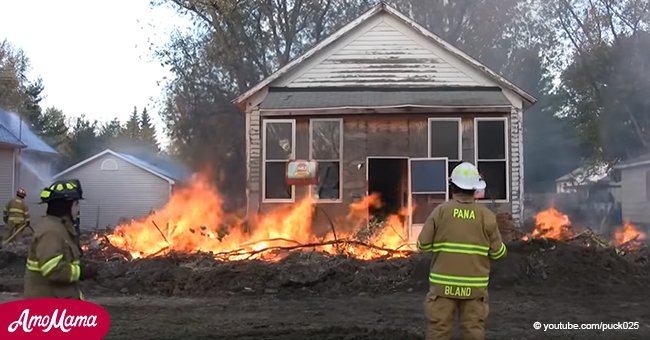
{"x": 634, "y": 201}
{"x": 6, "y": 175}
{"x": 128, "y": 192}
{"x": 387, "y": 136}
{"x": 385, "y": 53}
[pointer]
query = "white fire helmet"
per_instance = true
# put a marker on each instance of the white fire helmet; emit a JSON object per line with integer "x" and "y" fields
{"x": 466, "y": 176}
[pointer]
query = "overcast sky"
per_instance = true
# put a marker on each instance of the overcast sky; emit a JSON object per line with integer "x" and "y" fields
{"x": 92, "y": 55}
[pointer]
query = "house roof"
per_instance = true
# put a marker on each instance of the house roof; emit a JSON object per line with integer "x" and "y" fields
{"x": 20, "y": 129}
{"x": 634, "y": 162}
{"x": 339, "y": 98}
{"x": 160, "y": 166}
{"x": 6, "y": 137}
{"x": 377, "y": 10}
{"x": 586, "y": 174}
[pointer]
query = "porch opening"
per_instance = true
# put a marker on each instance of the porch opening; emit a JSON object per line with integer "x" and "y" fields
{"x": 389, "y": 178}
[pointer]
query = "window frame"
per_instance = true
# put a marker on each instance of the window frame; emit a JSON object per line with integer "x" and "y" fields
{"x": 340, "y": 160}
{"x": 265, "y": 122}
{"x": 506, "y": 141}
{"x": 460, "y": 136}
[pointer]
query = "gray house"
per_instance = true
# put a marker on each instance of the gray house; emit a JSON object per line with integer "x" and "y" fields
{"x": 635, "y": 189}
{"x": 383, "y": 106}
{"x": 26, "y": 161}
{"x": 119, "y": 186}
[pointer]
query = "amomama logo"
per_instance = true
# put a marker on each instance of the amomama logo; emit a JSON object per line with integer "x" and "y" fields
{"x": 53, "y": 319}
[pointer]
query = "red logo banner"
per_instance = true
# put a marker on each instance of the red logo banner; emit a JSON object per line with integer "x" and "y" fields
{"x": 52, "y": 319}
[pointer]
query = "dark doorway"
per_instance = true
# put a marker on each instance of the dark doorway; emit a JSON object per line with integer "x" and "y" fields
{"x": 388, "y": 177}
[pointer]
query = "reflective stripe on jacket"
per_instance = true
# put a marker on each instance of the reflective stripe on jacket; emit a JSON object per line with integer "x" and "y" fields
{"x": 16, "y": 211}
{"x": 53, "y": 268}
{"x": 464, "y": 236}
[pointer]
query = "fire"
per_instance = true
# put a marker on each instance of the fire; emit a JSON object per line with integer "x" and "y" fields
{"x": 552, "y": 224}
{"x": 628, "y": 234}
{"x": 193, "y": 220}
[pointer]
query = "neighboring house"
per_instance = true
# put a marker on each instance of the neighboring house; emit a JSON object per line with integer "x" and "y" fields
{"x": 581, "y": 177}
{"x": 26, "y": 161}
{"x": 120, "y": 186}
{"x": 384, "y": 106}
{"x": 635, "y": 190}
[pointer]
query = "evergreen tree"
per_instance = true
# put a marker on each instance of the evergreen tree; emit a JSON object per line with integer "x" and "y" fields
{"x": 53, "y": 129}
{"x": 132, "y": 128}
{"x": 83, "y": 140}
{"x": 148, "y": 132}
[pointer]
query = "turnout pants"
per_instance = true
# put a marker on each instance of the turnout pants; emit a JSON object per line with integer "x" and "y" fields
{"x": 441, "y": 313}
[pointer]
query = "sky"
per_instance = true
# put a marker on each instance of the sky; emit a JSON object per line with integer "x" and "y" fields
{"x": 94, "y": 56}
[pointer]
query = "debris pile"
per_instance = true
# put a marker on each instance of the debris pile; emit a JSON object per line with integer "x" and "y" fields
{"x": 530, "y": 265}
{"x": 193, "y": 221}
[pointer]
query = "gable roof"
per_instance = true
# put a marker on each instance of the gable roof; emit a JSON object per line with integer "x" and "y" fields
{"x": 158, "y": 166}
{"x": 377, "y": 10}
{"x": 20, "y": 129}
{"x": 8, "y": 138}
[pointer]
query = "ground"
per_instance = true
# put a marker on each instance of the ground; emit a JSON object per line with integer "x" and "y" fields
{"x": 309, "y": 295}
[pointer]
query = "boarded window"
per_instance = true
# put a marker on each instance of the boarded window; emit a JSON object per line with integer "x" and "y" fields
{"x": 491, "y": 159}
{"x": 445, "y": 140}
{"x": 279, "y": 140}
{"x": 326, "y": 147}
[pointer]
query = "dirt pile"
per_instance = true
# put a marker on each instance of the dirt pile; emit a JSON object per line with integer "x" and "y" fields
{"x": 529, "y": 267}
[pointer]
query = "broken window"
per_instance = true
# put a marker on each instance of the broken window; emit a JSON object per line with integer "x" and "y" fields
{"x": 279, "y": 139}
{"x": 490, "y": 146}
{"x": 445, "y": 140}
{"x": 326, "y": 143}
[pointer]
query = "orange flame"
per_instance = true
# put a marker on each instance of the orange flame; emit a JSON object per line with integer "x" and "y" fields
{"x": 552, "y": 224}
{"x": 193, "y": 220}
{"x": 628, "y": 234}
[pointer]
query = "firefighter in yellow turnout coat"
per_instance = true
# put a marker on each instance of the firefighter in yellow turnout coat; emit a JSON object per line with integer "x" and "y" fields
{"x": 15, "y": 214}
{"x": 464, "y": 236}
{"x": 53, "y": 264}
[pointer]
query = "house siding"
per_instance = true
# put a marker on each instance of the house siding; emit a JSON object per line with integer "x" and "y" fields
{"x": 111, "y": 195}
{"x": 6, "y": 175}
{"x": 383, "y": 53}
{"x": 635, "y": 204}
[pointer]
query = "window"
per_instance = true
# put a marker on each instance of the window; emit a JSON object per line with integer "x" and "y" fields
{"x": 279, "y": 140}
{"x": 109, "y": 165}
{"x": 490, "y": 144}
{"x": 326, "y": 147}
{"x": 445, "y": 140}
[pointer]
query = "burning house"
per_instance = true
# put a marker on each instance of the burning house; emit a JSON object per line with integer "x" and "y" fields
{"x": 384, "y": 107}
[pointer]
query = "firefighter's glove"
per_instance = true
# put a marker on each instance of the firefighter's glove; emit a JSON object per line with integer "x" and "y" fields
{"x": 88, "y": 271}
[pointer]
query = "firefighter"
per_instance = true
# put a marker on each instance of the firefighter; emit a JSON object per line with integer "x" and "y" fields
{"x": 464, "y": 236}
{"x": 53, "y": 266}
{"x": 15, "y": 214}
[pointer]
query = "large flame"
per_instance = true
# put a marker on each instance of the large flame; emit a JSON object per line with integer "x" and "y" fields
{"x": 552, "y": 224}
{"x": 628, "y": 235}
{"x": 193, "y": 220}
